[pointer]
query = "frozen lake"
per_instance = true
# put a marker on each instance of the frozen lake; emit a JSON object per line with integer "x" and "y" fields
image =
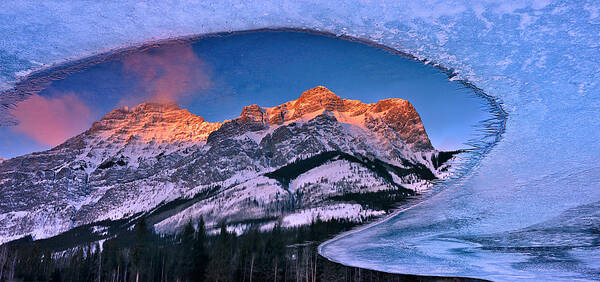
{"x": 527, "y": 210}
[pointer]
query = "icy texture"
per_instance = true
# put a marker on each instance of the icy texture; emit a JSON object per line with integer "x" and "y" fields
{"x": 539, "y": 57}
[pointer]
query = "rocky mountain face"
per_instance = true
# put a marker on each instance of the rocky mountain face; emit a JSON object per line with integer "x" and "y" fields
{"x": 290, "y": 164}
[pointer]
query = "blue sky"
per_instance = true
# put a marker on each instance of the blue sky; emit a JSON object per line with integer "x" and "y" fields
{"x": 216, "y": 77}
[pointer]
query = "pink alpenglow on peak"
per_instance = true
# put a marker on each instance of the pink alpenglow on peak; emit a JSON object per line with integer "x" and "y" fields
{"x": 155, "y": 122}
{"x": 398, "y": 113}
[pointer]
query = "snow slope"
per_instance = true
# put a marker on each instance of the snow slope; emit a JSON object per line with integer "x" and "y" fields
{"x": 539, "y": 57}
{"x": 159, "y": 161}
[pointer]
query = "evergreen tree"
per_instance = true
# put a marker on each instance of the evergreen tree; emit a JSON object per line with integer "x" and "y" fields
{"x": 140, "y": 252}
{"x": 186, "y": 264}
{"x": 275, "y": 252}
{"x": 56, "y": 276}
{"x": 200, "y": 253}
{"x": 219, "y": 266}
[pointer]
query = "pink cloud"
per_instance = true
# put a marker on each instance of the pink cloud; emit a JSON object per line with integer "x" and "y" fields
{"x": 51, "y": 121}
{"x": 166, "y": 73}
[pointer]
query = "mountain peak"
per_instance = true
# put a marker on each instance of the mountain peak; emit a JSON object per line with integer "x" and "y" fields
{"x": 317, "y": 90}
{"x": 155, "y": 107}
{"x": 402, "y": 116}
{"x": 319, "y": 94}
{"x": 149, "y": 108}
{"x": 252, "y": 113}
{"x": 396, "y": 113}
{"x": 152, "y": 121}
{"x": 315, "y": 99}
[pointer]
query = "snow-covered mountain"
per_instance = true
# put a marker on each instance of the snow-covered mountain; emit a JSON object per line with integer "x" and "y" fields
{"x": 289, "y": 164}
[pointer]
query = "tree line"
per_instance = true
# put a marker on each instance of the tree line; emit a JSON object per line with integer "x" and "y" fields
{"x": 280, "y": 254}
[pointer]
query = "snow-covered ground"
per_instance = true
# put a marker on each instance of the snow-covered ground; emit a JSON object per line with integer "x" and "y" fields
{"x": 539, "y": 57}
{"x": 326, "y": 176}
{"x": 352, "y": 212}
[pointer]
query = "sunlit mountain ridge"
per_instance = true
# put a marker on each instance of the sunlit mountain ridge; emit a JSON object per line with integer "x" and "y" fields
{"x": 287, "y": 164}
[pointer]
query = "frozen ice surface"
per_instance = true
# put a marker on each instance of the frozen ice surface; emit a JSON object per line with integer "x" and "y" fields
{"x": 528, "y": 210}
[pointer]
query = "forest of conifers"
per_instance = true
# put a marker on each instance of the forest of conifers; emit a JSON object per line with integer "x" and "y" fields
{"x": 193, "y": 255}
